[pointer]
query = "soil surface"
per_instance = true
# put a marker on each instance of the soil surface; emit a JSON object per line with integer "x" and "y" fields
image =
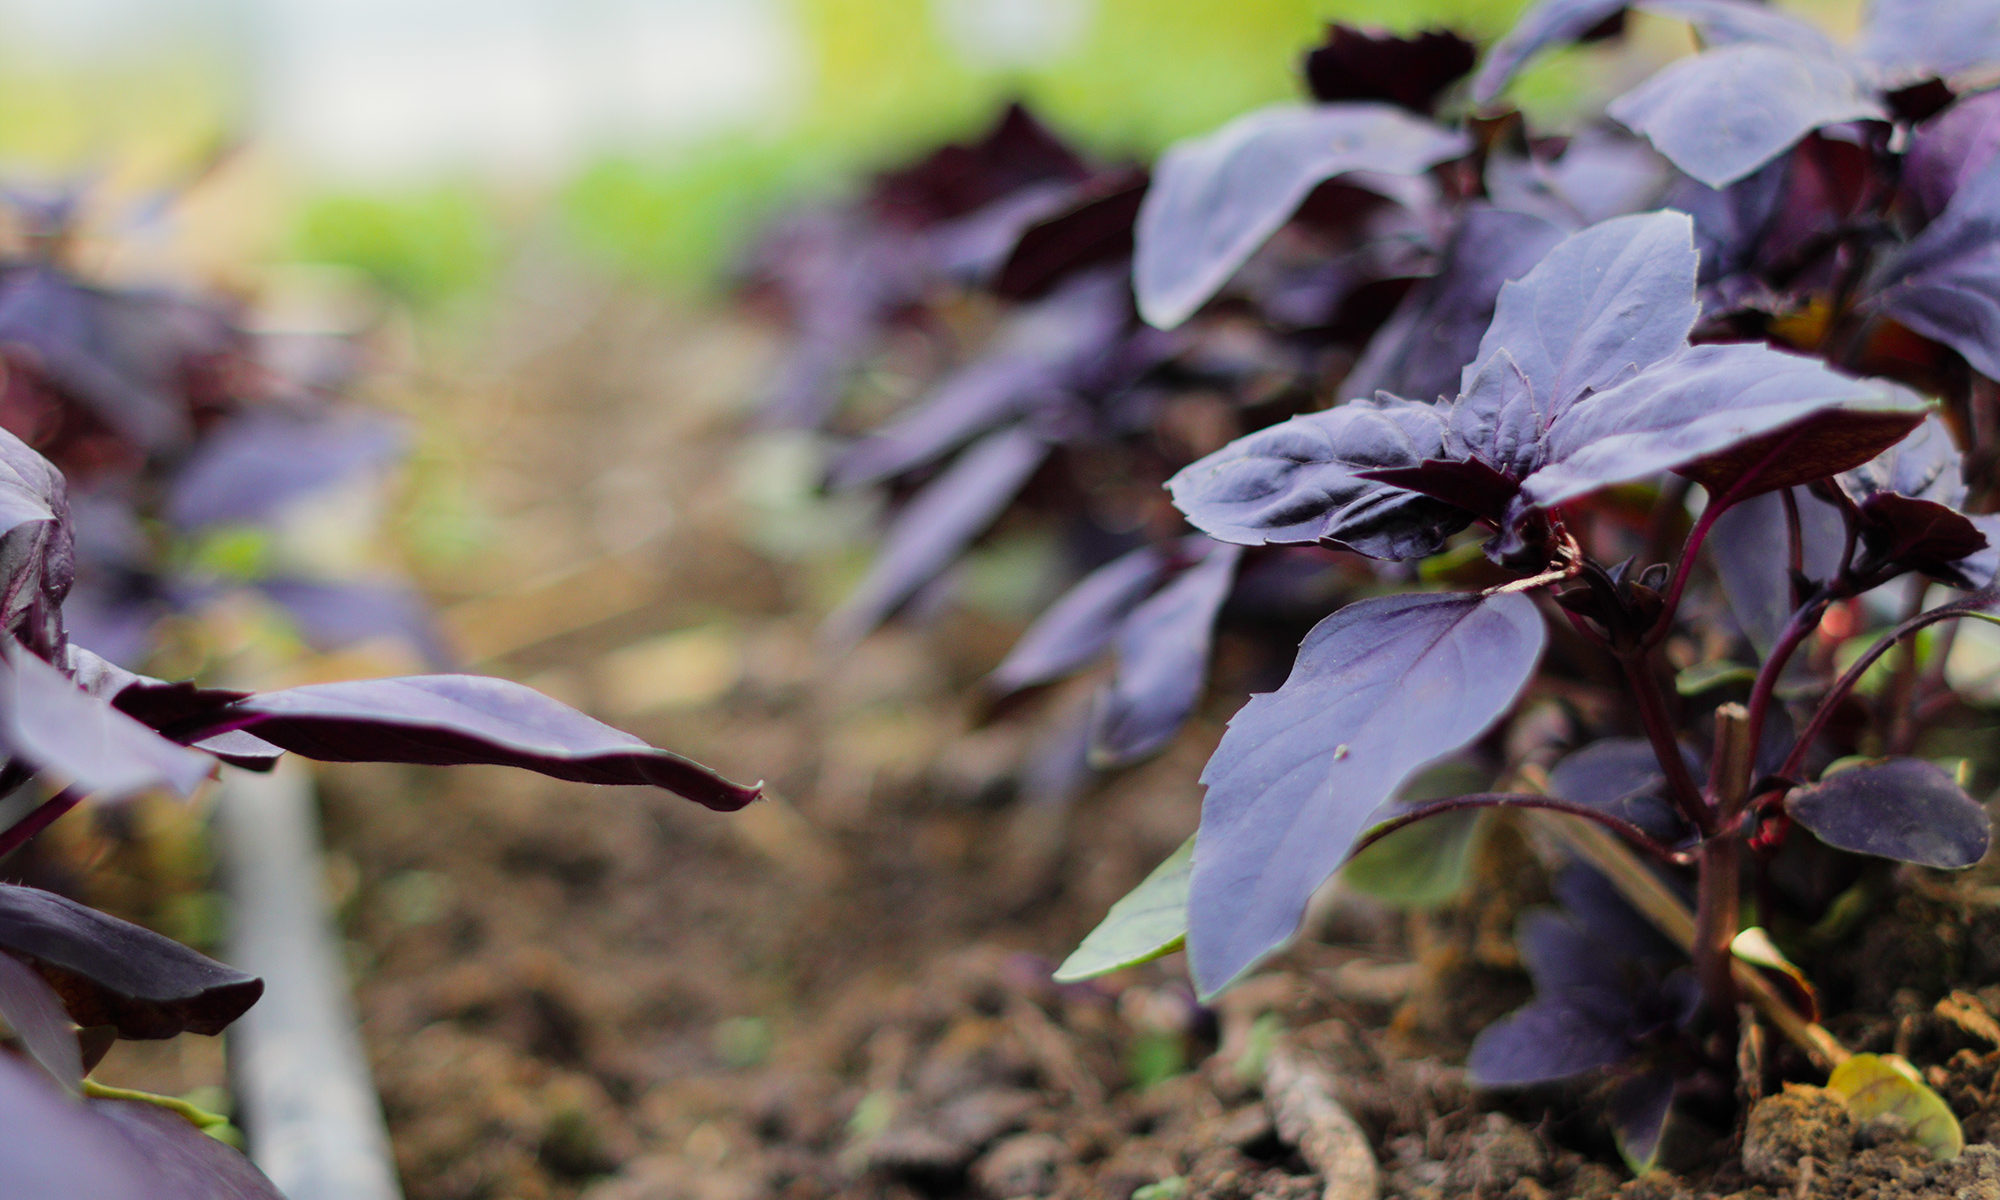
{"x": 844, "y": 991}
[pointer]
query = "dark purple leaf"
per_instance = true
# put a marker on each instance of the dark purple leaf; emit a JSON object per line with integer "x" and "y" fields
{"x": 939, "y": 523}
{"x": 115, "y": 353}
{"x": 1554, "y": 1037}
{"x": 1466, "y": 484}
{"x": 1215, "y": 199}
{"x": 1381, "y": 688}
{"x": 1923, "y": 466}
{"x": 1092, "y": 227}
{"x": 1919, "y": 535}
{"x": 35, "y": 1013}
{"x": 54, "y": 1147}
{"x": 1605, "y": 303}
{"x": 1948, "y": 150}
{"x": 1946, "y": 282}
{"x": 1750, "y": 549}
{"x": 956, "y": 180}
{"x": 1622, "y": 777}
{"x": 1980, "y": 569}
{"x": 52, "y": 724}
{"x": 248, "y": 470}
{"x": 1045, "y": 348}
{"x": 449, "y": 719}
{"x": 1907, "y": 41}
{"x": 1163, "y": 650}
{"x": 1079, "y": 627}
{"x": 182, "y": 1162}
{"x": 1901, "y": 808}
{"x": 1563, "y": 954}
{"x": 1773, "y": 96}
{"x": 1717, "y": 412}
{"x": 1435, "y": 331}
{"x": 1364, "y": 64}
{"x": 1639, "y": 1110}
{"x": 1304, "y": 481}
{"x": 112, "y": 972}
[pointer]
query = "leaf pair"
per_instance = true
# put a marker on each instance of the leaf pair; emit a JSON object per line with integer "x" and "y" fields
{"x": 1584, "y": 379}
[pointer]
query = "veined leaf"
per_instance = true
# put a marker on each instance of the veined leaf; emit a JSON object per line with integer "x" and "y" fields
{"x": 1380, "y": 688}
{"x": 1902, "y": 808}
{"x": 1876, "y": 1085}
{"x": 1306, "y": 481}
{"x": 1716, "y": 412}
{"x": 1722, "y": 114}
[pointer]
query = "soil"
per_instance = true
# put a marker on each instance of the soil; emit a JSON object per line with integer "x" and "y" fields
{"x": 844, "y": 991}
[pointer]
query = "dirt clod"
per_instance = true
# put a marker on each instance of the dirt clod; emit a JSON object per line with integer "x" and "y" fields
{"x": 1796, "y": 1124}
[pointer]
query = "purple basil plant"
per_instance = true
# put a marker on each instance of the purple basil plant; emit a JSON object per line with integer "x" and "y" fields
{"x": 1684, "y": 424}
{"x": 75, "y": 727}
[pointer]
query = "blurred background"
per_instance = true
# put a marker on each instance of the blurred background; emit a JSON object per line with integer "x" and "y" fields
{"x": 422, "y": 140}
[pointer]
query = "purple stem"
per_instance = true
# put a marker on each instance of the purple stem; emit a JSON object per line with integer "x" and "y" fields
{"x": 1618, "y": 825}
{"x": 20, "y": 832}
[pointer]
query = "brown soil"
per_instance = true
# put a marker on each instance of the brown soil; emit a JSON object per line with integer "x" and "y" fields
{"x": 844, "y": 991}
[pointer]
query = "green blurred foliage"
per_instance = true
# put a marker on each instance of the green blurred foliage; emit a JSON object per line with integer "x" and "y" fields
{"x": 427, "y": 245}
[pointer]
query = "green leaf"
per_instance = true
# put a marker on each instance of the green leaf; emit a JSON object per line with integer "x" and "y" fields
{"x": 1418, "y": 866}
{"x": 1706, "y": 676}
{"x": 1876, "y": 1085}
{"x": 1149, "y": 922}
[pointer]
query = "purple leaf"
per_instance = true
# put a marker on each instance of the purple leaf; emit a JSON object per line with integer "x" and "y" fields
{"x": 1381, "y": 688}
{"x": 182, "y": 1162}
{"x": 1435, "y": 331}
{"x": 1217, "y": 198}
{"x": 1946, "y": 282}
{"x": 1901, "y": 808}
{"x": 1044, "y": 349}
{"x": 333, "y": 615}
{"x": 1547, "y": 25}
{"x": 1908, "y": 41}
{"x": 1305, "y": 481}
{"x": 250, "y": 469}
{"x": 37, "y": 555}
{"x": 1093, "y": 226}
{"x": 1720, "y": 23}
{"x": 939, "y": 523}
{"x": 1466, "y": 484}
{"x": 449, "y": 719}
{"x": 1639, "y": 1110}
{"x": 1620, "y": 776}
{"x": 112, "y": 972}
{"x": 1163, "y": 650}
{"x": 1750, "y": 549}
{"x": 46, "y": 720}
{"x": 1908, "y": 498}
{"x": 1604, "y": 303}
{"x": 1950, "y": 149}
{"x": 1364, "y": 64}
{"x": 1773, "y": 96}
{"x": 53, "y": 1147}
{"x": 115, "y": 353}
{"x": 35, "y": 1013}
{"x": 1980, "y": 569}
{"x": 1079, "y": 626}
{"x": 1554, "y": 1037}
{"x": 1562, "y": 954}
{"x": 1718, "y": 413}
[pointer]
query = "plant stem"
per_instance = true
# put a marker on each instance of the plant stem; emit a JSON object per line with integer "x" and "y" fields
{"x": 20, "y": 832}
{"x": 1804, "y": 620}
{"x": 1974, "y": 605}
{"x": 1658, "y": 904}
{"x": 1659, "y": 726}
